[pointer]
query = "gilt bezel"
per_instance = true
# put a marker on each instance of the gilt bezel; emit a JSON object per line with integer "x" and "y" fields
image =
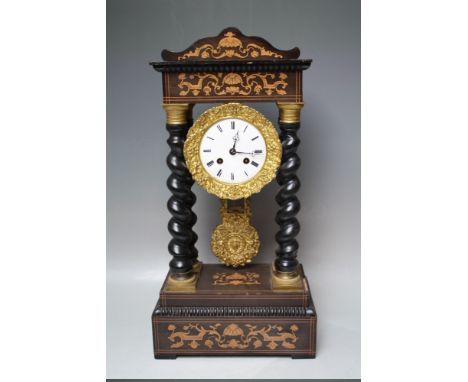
{"x": 214, "y": 186}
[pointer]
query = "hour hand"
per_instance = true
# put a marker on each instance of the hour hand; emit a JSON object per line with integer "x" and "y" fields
{"x": 235, "y": 138}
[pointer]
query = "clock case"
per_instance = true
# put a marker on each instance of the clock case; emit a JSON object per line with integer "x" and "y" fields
{"x": 211, "y": 309}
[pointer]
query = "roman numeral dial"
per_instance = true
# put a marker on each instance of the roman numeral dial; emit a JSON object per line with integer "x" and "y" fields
{"x": 232, "y": 151}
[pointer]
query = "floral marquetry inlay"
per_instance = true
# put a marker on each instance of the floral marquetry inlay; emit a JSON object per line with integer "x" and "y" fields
{"x": 232, "y": 336}
{"x": 230, "y": 44}
{"x": 236, "y": 278}
{"x": 231, "y": 66}
{"x": 221, "y": 84}
{"x": 228, "y": 47}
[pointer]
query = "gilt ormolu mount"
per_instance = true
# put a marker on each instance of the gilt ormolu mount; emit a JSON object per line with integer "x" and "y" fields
{"x": 208, "y": 309}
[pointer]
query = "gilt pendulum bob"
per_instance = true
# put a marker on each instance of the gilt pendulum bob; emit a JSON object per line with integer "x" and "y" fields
{"x": 235, "y": 242}
{"x": 237, "y": 306}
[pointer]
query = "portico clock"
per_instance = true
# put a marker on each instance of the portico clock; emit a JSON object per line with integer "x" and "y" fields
{"x": 236, "y": 306}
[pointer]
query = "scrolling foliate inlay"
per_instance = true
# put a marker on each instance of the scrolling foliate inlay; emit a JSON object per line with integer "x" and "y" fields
{"x": 228, "y": 47}
{"x": 232, "y": 84}
{"x": 236, "y": 278}
{"x": 233, "y": 336}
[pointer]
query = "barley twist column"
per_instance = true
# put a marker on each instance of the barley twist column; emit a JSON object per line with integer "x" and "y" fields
{"x": 182, "y": 245}
{"x": 286, "y": 264}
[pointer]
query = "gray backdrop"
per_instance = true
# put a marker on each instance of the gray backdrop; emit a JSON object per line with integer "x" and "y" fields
{"x": 328, "y": 31}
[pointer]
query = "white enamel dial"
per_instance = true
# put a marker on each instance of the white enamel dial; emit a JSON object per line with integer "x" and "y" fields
{"x": 233, "y": 151}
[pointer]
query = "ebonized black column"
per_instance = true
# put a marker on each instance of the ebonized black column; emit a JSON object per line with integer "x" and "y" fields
{"x": 287, "y": 200}
{"x": 193, "y": 249}
{"x": 182, "y": 244}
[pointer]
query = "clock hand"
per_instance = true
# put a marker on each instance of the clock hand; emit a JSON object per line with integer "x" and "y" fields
{"x": 253, "y": 153}
{"x": 236, "y": 139}
{"x": 233, "y": 151}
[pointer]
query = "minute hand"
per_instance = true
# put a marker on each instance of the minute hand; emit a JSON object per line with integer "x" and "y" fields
{"x": 251, "y": 153}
